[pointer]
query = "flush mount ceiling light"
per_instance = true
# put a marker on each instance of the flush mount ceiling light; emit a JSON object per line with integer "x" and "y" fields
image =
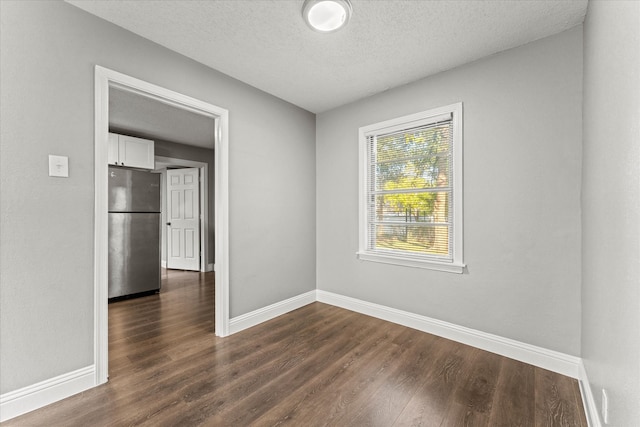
{"x": 326, "y": 15}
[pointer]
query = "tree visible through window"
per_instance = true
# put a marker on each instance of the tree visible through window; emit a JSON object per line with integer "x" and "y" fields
{"x": 410, "y": 187}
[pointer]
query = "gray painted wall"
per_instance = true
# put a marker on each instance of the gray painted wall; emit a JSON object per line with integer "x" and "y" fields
{"x": 48, "y": 53}
{"x": 522, "y": 145}
{"x": 611, "y": 207}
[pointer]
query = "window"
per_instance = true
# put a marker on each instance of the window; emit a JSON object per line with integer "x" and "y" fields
{"x": 411, "y": 190}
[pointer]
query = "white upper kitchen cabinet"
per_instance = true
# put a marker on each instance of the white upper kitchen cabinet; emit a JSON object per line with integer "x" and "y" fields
{"x": 113, "y": 149}
{"x": 130, "y": 151}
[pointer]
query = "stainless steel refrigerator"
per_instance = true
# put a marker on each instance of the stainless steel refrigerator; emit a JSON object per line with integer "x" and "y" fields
{"x": 134, "y": 232}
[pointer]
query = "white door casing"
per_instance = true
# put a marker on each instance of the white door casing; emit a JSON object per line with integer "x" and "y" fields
{"x": 183, "y": 219}
{"x": 105, "y": 78}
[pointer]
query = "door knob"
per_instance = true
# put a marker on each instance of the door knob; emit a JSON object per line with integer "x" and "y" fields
{"x": 169, "y": 224}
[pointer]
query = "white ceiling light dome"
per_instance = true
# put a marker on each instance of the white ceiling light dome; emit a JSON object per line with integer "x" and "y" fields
{"x": 326, "y": 16}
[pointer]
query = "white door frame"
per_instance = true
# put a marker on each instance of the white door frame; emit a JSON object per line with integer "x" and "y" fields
{"x": 204, "y": 204}
{"x": 105, "y": 78}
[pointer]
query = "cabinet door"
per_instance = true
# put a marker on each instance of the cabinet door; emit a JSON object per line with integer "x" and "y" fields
{"x": 136, "y": 152}
{"x": 113, "y": 149}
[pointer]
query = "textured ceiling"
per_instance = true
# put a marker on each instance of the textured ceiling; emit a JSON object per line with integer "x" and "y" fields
{"x": 387, "y": 43}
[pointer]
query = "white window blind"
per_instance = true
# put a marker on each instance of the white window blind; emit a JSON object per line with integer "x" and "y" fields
{"x": 410, "y": 183}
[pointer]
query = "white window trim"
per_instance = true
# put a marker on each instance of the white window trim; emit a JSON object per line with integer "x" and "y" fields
{"x": 456, "y": 265}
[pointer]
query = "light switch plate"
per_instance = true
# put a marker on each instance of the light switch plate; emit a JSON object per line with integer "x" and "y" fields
{"x": 58, "y": 166}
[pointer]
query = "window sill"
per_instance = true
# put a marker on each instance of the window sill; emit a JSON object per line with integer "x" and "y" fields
{"x": 450, "y": 267}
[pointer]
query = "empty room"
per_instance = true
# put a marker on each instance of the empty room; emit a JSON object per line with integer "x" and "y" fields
{"x": 366, "y": 212}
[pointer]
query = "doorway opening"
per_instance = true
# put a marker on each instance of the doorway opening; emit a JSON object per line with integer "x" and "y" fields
{"x": 181, "y": 239}
{"x": 163, "y": 164}
{"x": 104, "y": 80}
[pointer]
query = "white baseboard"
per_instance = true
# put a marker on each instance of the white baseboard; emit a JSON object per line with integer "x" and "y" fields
{"x": 548, "y": 359}
{"x": 590, "y": 407}
{"x": 36, "y": 396}
{"x": 256, "y": 317}
{"x": 209, "y": 266}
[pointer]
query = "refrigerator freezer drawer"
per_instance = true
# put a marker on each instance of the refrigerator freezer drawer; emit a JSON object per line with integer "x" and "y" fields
{"x": 134, "y": 253}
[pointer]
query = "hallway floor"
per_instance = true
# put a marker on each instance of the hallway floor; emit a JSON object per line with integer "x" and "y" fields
{"x": 318, "y": 365}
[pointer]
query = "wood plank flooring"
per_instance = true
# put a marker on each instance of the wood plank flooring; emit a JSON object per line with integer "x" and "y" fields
{"x": 316, "y": 366}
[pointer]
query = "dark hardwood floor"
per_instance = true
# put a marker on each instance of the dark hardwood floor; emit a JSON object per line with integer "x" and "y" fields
{"x": 316, "y": 366}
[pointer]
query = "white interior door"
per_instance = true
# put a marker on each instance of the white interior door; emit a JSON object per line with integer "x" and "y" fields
{"x": 183, "y": 219}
